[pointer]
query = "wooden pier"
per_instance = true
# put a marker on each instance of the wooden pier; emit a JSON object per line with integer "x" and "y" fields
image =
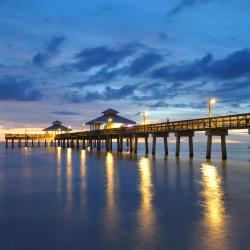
{"x": 215, "y": 126}
{"x": 29, "y": 140}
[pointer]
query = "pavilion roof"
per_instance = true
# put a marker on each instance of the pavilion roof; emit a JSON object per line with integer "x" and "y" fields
{"x": 115, "y": 118}
{"x": 57, "y": 125}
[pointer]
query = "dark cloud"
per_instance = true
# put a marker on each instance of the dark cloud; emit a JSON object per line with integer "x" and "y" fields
{"x": 235, "y": 65}
{"x": 108, "y": 94}
{"x": 185, "y": 4}
{"x": 143, "y": 63}
{"x": 102, "y": 76}
{"x": 15, "y": 89}
{"x": 65, "y": 113}
{"x": 162, "y": 36}
{"x": 138, "y": 66}
{"x": 233, "y": 93}
{"x": 183, "y": 71}
{"x": 163, "y": 104}
{"x": 51, "y": 49}
{"x": 104, "y": 56}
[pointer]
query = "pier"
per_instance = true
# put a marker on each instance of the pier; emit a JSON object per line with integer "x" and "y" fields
{"x": 214, "y": 126}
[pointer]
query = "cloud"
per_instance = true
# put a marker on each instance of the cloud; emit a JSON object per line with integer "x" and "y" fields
{"x": 15, "y": 89}
{"x": 184, "y": 4}
{"x": 235, "y": 65}
{"x": 144, "y": 63}
{"x": 233, "y": 93}
{"x": 138, "y": 66}
{"x": 102, "y": 76}
{"x": 162, "y": 36}
{"x": 107, "y": 94}
{"x": 163, "y": 104}
{"x": 51, "y": 49}
{"x": 104, "y": 56}
{"x": 183, "y": 71}
{"x": 65, "y": 113}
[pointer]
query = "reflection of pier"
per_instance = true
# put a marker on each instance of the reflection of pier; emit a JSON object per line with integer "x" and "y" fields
{"x": 214, "y": 126}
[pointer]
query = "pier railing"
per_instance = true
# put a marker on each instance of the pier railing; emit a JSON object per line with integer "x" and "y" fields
{"x": 239, "y": 121}
{"x": 28, "y": 136}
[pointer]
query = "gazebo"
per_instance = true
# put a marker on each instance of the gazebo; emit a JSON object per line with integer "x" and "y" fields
{"x": 109, "y": 119}
{"x": 56, "y": 128}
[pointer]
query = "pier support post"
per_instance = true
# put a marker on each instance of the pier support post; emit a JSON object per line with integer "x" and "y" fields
{"x": 98, "y": 146}
{"x": 39, "y": 143}
{"x": 110, "y": 144}
{"x": 32, "y": 143}
{"x": 77, "y": 143}
{"x": 191, "y": 147}
{"x": 136, "y": 144}
{"x": 120, "y": 143}
{"x": 178, "y": 145}
{"x": 45, "y": 143}
{"x": 190, "y": 135}
{"x": 165, "y": 138}
{"x": 90, "y": 144}
{"x": 209, "y": 146}
{"x": 223, "y": 147}
{"x": 107, "y": 144}
{"x": 154, "y": 144}
{"x": 131, "y": 144}
{"x": 146, "y": 145}
{"x": 6, "y": 143}
{"x": 12, "y": 143}
{"x": 83, "y": 144}
{"x": 217, "y": 132}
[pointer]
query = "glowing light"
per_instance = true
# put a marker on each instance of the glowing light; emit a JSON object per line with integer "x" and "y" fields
{"x": 146, "y": 214}
{"x": 59, "y": 168}
{"x": 215, "y": 216}
{"x": 111, "y": 209}
{"x": 83, "y": 172}
{"x": 211, "y": 101}
{"x": 69, "y": 177}
{"x": 110, "y": 119}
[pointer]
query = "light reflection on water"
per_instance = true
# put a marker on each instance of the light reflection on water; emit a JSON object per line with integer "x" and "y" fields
{"x": 121, "y": 201}
{"x": 146, "y": 212}
{"x": 111, "y": 213}
{"x": 59, "y": 169}
{"x": 69, "y": 187}
{"x": 215, "y": 219}
{"x": 83, "y": 174}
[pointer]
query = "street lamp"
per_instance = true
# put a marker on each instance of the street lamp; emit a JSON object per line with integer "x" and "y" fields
{"x": 211, "y": 101}
{"x": 144, "y": 114}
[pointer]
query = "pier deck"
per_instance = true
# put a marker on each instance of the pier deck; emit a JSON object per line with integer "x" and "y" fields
{"x": 215, "y": 126}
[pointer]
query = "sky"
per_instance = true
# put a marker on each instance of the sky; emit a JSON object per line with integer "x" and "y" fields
{"x": 70, "y": 60}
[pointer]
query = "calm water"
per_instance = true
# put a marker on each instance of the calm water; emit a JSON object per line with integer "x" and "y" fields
{"x": 73, "y": 199}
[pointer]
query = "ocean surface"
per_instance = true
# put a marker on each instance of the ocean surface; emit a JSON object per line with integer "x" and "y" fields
{"x": 69, "y": 199}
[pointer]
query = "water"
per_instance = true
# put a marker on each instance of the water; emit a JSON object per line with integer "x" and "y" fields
{"x": 72, "y": 199}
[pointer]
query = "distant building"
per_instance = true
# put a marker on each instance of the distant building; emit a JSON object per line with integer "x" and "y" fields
{"x": 109, "y": 119}
{"x": 56, "y": 128}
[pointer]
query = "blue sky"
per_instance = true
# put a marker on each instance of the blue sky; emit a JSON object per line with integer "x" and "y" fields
{"x": 70, "y": 60}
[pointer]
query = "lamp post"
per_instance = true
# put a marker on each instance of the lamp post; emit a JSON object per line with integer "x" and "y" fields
{"x": 211, "y": 102}
{"x": 144, "y": 114}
